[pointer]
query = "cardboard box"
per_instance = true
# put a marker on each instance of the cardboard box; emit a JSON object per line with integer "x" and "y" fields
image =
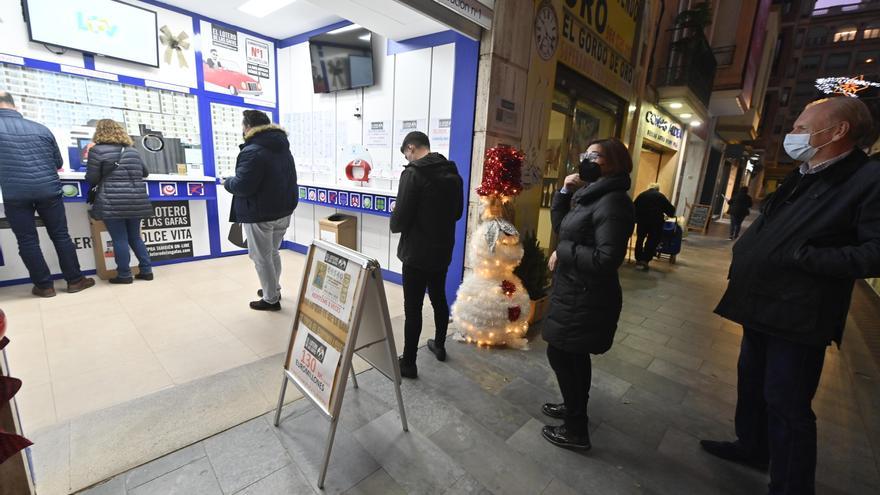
{"x": 103, "y": 250}
{"x": 341, "y": 229}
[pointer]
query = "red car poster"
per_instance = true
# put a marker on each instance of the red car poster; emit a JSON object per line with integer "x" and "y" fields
{"x": 238, "y": 64}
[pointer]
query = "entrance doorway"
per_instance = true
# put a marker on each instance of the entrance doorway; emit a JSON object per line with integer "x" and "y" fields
{"x": 656, "y": 165}
{"x": 582, "y": 112}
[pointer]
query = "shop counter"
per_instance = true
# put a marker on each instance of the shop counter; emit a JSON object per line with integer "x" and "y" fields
{"x": 161, "y": 187}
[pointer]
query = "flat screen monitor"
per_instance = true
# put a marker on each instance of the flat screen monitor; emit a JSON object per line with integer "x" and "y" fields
{"x": 83, "y": 145}
{"x": 103, "y": 27}
{"x": 342, "y": 59}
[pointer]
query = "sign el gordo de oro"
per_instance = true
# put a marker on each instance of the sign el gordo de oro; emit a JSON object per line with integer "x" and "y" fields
{"x": 597, "y": 40}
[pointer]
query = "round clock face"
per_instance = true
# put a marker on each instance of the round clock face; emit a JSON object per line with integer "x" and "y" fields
{"x": 546, "y": 31}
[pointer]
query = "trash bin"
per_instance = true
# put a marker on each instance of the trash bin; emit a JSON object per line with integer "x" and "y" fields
{"x": 341, "y": 229}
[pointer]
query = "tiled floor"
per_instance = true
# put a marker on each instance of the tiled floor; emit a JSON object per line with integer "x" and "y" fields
{"x": 78, "y": 353}
{"x": 475, "y": 420}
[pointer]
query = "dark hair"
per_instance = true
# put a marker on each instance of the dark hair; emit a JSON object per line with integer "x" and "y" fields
{"x": 417, "y": 139}
{"x": 254, "y": 118}
{"x": 617, "y": 159}
{"x": 6, "y": 97}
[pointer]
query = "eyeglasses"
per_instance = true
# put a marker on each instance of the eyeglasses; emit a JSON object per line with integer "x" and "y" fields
{"x": 591, "y": 156}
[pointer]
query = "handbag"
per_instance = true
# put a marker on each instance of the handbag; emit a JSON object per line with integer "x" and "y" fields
{"x": 93, "y": 191}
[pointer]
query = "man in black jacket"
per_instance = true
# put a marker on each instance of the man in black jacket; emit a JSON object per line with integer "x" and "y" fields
{"x": 429, "y": 202}
{"x": 651, "y": 205}
{"x": 790, "y": 284}
{"x": 264, "y": 197}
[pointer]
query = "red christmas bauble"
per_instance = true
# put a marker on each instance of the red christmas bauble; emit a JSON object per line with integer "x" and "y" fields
{"x": 508, "y": 287}
{"x": 513, "y": 313}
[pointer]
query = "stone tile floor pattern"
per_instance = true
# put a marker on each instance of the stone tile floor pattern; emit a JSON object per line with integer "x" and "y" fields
{"x": 475, "y": 420}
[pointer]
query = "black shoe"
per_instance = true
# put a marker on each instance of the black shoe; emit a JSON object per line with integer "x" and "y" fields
{"x": 554, "y": 410}
{"x": 732, "y": 451}
{"x": 262, "y": 305}
{"x": 144, "y": 276}
{"x": 260, "y": 292}
{"x": 438, "y": 350}
{"x": 407, "y": 370}
{"x": 120, "y": 280}
{"x": 560, "y": 436}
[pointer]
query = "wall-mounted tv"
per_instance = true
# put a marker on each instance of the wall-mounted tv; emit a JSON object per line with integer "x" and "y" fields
{"x": 103, "y": 27}
{"x": 342, "y": 59}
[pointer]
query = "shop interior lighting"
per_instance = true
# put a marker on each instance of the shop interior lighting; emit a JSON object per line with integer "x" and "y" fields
{"x": 686, "y": 115}
{"x": 262, "y": 8}
{"x": 632, "y": 108}
{"x": 350, "y": 27}
{"x": 365, "y": 37}
{"x": 695, "y": 123}
{"x": 869, "y": 60}
{"x": 675, "y": 105}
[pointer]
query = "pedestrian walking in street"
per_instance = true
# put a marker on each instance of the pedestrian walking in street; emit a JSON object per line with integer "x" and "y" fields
{"x": 121, "y": 200}
{"x": 651, "y": 206}
{"x": 29, "y": 163}
{"x": 738, "y": 207}
{"x": 430, "y": 200}
{"x": 790, "y": 283}
{"x": 593, "y": 217}
{"x": 263, "y": 199}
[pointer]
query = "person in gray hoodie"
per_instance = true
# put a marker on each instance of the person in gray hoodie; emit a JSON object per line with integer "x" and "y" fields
{"x": 122, "y": 200}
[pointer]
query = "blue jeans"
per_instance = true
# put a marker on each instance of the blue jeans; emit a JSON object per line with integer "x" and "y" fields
{"x": 777, "y": 380}
{"x": 125, "y": 233}
{"x": 20, "y": 215}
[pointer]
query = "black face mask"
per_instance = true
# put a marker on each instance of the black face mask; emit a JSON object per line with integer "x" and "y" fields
{"x": 589, "y": 171}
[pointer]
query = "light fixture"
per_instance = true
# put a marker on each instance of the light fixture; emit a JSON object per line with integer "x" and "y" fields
{"x": 262, "y": 8}
{"x": 350, "y": 27}
{"x": 365, "y": 37}
{"x": 632, "y": 108}
{"x": 686, "y": 115}
{"x": 869, "y": 60}
{"x": 675, "y": 105}
{"x": 695, "y": 123}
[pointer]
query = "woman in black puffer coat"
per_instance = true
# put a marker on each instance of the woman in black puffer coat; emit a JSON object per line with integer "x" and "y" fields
{"x": 593, "y": 216}
{"x": 122, "y": 199}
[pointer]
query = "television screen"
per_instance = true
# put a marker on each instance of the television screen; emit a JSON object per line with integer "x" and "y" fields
{"x": 102, "y": 27}
{"x": 342, "y": 59}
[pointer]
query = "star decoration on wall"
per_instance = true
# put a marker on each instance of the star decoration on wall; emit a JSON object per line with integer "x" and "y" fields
{"x": 847, "y": 86}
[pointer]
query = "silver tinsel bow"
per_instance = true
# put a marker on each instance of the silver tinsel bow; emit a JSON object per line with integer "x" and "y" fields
{"x": 496, "y": 228}
{"x": 173, "y": 44}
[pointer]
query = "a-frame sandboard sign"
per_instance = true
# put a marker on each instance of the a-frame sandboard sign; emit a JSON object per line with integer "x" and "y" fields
{"x": 342, "y": 311}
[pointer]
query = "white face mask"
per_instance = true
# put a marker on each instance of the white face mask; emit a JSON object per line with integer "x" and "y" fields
{"x": 798, "y": 145}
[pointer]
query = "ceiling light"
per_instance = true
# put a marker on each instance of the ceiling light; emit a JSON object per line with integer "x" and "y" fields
{"x": 262, "y": 8}
{"x": 695, "y": 123}
{"x": 868, "y": 61}
{"x": 350, "y": 27}
{"x": 675, "y": 105}
{"x": 686, "y": 115}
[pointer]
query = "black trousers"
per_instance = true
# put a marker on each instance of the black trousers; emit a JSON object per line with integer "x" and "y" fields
{"x": 574, "y": 372}
{"x": 735, "y": 226}
{"x": 415, "y": 282}
{"x": 777, "y": 380}
{"x": 647, "y": 240}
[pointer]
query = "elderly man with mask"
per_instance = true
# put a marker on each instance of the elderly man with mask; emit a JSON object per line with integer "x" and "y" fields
{"x": 790, "y": 284}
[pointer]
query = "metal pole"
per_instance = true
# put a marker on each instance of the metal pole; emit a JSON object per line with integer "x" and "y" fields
{"x": 330, "y": 437}
{"x": 354, "y": 378}
{"x": 281, "y": 397}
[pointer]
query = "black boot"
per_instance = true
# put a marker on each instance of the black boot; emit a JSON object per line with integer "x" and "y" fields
{"x": 734, "y": 452}
{"x": 262, "y": 305}
{"x": 407, "y": 369}
{"x": 561, "y": 437}
{"x": 438, "y": 350}
{"x": 554, "y": 410}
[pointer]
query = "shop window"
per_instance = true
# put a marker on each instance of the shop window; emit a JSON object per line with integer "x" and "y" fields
{"x": 871, "y": 31}
{"x": 845, "y": 34}
{"x": 810, "y": 63}
{"x": 817, "y": 35}
{"x": 838, "y": 61}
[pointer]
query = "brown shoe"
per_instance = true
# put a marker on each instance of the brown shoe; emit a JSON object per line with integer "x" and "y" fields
{"x": 47, "y": 292}
{"x": 83, "y": 284}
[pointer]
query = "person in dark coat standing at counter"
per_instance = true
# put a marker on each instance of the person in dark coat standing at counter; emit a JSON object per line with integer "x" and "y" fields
{"x": 122, "y": 200}
{"x": 650, "y": 205}
{"x": 264, "y": 197}
{"x": 29, "y": 163}
{"x": 790, "y": 284}
{"x": 430, "y": 200}
{"x": 738, "y": 207}
{"x": 593, "y": 217}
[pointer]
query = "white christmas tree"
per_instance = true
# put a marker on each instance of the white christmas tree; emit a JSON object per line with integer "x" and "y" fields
{"x": 492, "y": 306}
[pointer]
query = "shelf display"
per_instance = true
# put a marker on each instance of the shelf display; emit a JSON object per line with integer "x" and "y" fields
{"x": 226, "y": 126}
{"x": 63, "y": 102}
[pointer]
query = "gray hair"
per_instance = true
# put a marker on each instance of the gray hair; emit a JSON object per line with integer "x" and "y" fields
{"x": 851, "y": 110}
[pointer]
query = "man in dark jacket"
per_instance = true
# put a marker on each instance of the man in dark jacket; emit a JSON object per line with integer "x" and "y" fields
{"x": 429, "y": 202}
{"x": 651, "y": 205}
{"x": 29, "y": 163}
{"x": 264, "y": 197}
{"x": 790, "y": 284}
{"x": 738, "y": 209}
